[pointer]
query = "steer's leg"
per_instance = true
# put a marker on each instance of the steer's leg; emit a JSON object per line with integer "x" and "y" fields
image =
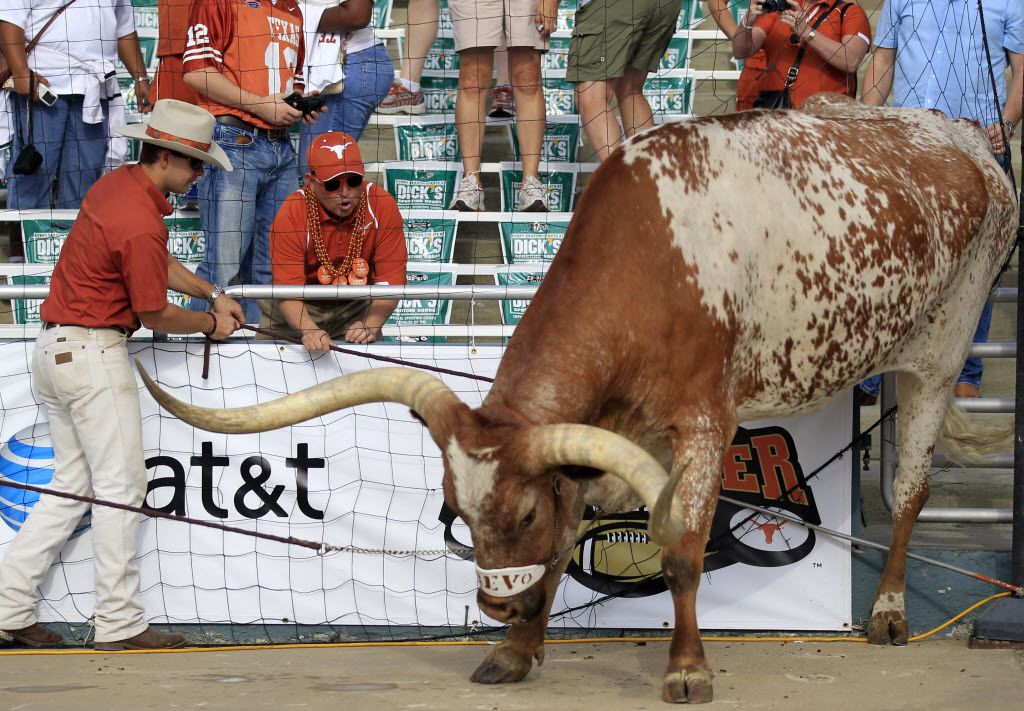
{"x": 510, "y": 660}
{"x": 688, "y": 676}
{"x": 921, "y": 408}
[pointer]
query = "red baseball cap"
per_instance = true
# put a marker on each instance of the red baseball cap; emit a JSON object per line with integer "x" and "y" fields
{"x": 332, "y": 154}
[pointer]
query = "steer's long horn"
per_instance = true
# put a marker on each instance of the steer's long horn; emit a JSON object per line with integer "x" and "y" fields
{"x": 422, "y": 392}
{"x": 584, "y": 445}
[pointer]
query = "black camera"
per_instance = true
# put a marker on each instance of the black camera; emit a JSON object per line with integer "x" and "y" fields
{"x": 305, "y": 104}
{"x": 774, "y": 6}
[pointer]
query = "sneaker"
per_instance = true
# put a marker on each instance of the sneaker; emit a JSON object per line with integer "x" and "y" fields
{"x": 470, "y": 195}
{"x": 35, "y": 635}
{"x": 532, "y": 196}
{"x": 149, "y": 638}
{"x": 402, "y": 101}
{"x": 503, "y": 105}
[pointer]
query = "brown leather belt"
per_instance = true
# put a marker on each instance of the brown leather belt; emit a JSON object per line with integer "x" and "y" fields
{"x": 47, "y": 326}
{"x": 271, "y": 134}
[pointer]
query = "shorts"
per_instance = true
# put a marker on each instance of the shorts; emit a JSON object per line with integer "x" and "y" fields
{"x": 332, "y": 317}
{"x": 484, "y": 23}
{"x": 613, "y": 34}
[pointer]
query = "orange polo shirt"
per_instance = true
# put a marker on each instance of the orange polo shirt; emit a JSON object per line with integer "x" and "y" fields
{"x": 113, "y": 264}
{"x": 172, "y": 18}
{"x": 293, "y": 258}
{"x": 814, "y": 74}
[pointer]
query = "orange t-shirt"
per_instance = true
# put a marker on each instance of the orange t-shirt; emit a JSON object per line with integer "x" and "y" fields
{"x": 113, "y": 264}
{"x": 294, "y": 259}
{"x": 814, "y": 74}
{"x": 172, "y": 17}
{"x": 257, "y": 44}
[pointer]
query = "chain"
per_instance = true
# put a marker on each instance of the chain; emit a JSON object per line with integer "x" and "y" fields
{"x": 326, "y": 548}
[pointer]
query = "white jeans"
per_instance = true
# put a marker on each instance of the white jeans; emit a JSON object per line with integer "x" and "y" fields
{"x": 84, "y": 378}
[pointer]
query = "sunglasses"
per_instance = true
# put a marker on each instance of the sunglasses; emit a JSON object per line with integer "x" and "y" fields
{"x": 334, "y": 184}
{"x": 193, "y": 163}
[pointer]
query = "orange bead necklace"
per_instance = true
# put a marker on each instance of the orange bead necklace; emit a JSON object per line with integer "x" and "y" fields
{"x": 328, "y": 273}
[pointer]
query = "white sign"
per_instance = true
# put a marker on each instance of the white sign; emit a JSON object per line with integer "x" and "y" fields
{"x": 370, "y": 476}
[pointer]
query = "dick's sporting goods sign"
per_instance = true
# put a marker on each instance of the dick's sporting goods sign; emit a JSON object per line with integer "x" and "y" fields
{"x": 432, "y": 312}
{"x": 370, "y": 476}
{"x": 44, "y": 239}
{"x": 428, "y": 140}
{"x": 430, "y": 240}
{"x": 421, "y": 185}
{"x": 531, "y": 242}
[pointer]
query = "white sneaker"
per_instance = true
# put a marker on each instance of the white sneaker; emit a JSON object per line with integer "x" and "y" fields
{"x": 532, "y": 196}
{"x": 470, "y": 195}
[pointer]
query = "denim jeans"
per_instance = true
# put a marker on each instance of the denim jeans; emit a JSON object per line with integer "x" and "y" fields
{"x": 236, "y": 209}
{"x": 72, "y": 151}
{"x": 368, "y": 76}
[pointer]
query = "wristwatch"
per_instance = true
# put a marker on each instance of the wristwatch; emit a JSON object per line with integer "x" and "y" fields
{"x": 810, "y": 35}
{"x": 218, "y": 290}
{"x": 1011, "y": 128}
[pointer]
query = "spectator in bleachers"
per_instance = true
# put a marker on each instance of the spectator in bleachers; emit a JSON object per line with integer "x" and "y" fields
{"x": 824, "y": 42}
{"x": 338, "y": 229}
{"x": 169, "y": 80}
{"x": 480, "y": 26}
{"x": 113, "y": 273}
{"x": 614, "y": 46}
{"x": 406, "y": 95}
{"x": 912, "y": 54}
{"x": 74, "y": 59}
{"x": 753, "y": 66}
{"x": 226, "y": 41}
{"x": 347, "y": 63}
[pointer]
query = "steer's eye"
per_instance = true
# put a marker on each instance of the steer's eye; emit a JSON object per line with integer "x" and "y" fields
{"x": 528, "y": 518}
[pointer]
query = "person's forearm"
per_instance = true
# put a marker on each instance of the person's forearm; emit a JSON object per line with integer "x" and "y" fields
{"x": 743, "y": 42}
{"x": 185, "y": 282}
{"x": 219, "y": 88}
{"x": 1015, "y": 90}
{"x": 845, "y": 55}
{"x": 12, "y": 38}
{"x": 352, "y": 15}
{"x": 379, "y": 312}
{"x": 878, "y": 77}
{"x": 174, "y": 319}
{"x": 130, "y": 52}
{"x": 719, "y": 10}
{"x": 297, "y": 316}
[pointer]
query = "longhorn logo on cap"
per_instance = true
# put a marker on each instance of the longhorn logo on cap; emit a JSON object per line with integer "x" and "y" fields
{"x": 338, "y": 150}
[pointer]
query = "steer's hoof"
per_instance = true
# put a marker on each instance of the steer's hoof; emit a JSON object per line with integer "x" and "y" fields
{"x": 889, "y": 627}
{"x": 691, "y": 685}
{"x": 501, "y": 666}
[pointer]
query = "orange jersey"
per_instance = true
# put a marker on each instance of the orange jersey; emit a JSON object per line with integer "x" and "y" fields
{"x": 294, "y": 259}
{"x": 173, "y": 21}
{"x": 257, "y": 44}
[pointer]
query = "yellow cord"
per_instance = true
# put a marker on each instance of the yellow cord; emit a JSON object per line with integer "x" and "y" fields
{"x": 460, "y": 643}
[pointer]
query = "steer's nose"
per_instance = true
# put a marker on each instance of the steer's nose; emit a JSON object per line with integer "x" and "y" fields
{"x": 513, "y": 609}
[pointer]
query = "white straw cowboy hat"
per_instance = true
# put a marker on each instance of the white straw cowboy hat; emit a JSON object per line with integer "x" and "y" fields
{"x": 181, "y": 127}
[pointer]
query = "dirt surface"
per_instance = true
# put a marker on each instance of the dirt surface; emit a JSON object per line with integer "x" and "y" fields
{"x": 835, "y": 676}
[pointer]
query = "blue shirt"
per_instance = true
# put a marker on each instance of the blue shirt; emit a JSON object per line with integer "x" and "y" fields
{"x": 940, "y": 57}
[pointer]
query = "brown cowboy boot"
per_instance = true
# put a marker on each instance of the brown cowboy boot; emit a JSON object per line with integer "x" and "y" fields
{"x": 149, "y": 638}
{"x": 34, "y": 635}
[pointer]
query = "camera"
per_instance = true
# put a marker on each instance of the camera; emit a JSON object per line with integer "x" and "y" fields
{"x": 774, "y": 6}
{"x": 305, "y": 104}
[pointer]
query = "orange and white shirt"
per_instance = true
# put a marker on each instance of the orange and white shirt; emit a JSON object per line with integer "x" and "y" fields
{"x": 257, "y": 44}
{"x": 293, "y": 258}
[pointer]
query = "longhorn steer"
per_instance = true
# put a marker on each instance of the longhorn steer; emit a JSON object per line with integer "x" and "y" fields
{"x": 716, "y": 270}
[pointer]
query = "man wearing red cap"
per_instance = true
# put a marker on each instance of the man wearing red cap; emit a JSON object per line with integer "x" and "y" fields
{"x": 338, "y": 229}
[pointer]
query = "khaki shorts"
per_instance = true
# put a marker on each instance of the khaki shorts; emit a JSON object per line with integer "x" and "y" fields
{"x": 612, "y": 34}
{"x": 334, "y": 317}
{"x": 486, "y": 23}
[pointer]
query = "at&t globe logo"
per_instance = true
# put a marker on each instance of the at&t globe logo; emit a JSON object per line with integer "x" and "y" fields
{"x": 27, "y": 458}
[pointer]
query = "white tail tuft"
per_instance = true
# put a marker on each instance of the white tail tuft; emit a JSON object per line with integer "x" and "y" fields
{"x": 966, "y": 441}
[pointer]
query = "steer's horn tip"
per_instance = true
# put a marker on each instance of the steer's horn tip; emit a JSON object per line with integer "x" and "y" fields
{"x": 666, "y": 522}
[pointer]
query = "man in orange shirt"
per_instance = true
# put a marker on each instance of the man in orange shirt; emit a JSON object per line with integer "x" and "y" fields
{"x": 169, "y": 82}
{"x": 243, "y": 59}
{"x": 113, "y": 272}
{"x": 338, "y": 229}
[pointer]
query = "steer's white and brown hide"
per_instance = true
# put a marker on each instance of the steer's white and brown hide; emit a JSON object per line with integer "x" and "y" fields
{"x": 716, "y": 269}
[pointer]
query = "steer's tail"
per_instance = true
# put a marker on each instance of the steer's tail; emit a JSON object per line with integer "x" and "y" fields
{"x": 968, "y": 441}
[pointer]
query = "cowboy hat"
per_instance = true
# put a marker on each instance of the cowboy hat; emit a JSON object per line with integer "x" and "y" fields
{"x": 180, "y": 127}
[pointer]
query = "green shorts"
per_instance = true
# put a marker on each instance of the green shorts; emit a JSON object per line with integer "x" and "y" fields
{"x": 332, "y": 317}
{"x": 612, "y": 34}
